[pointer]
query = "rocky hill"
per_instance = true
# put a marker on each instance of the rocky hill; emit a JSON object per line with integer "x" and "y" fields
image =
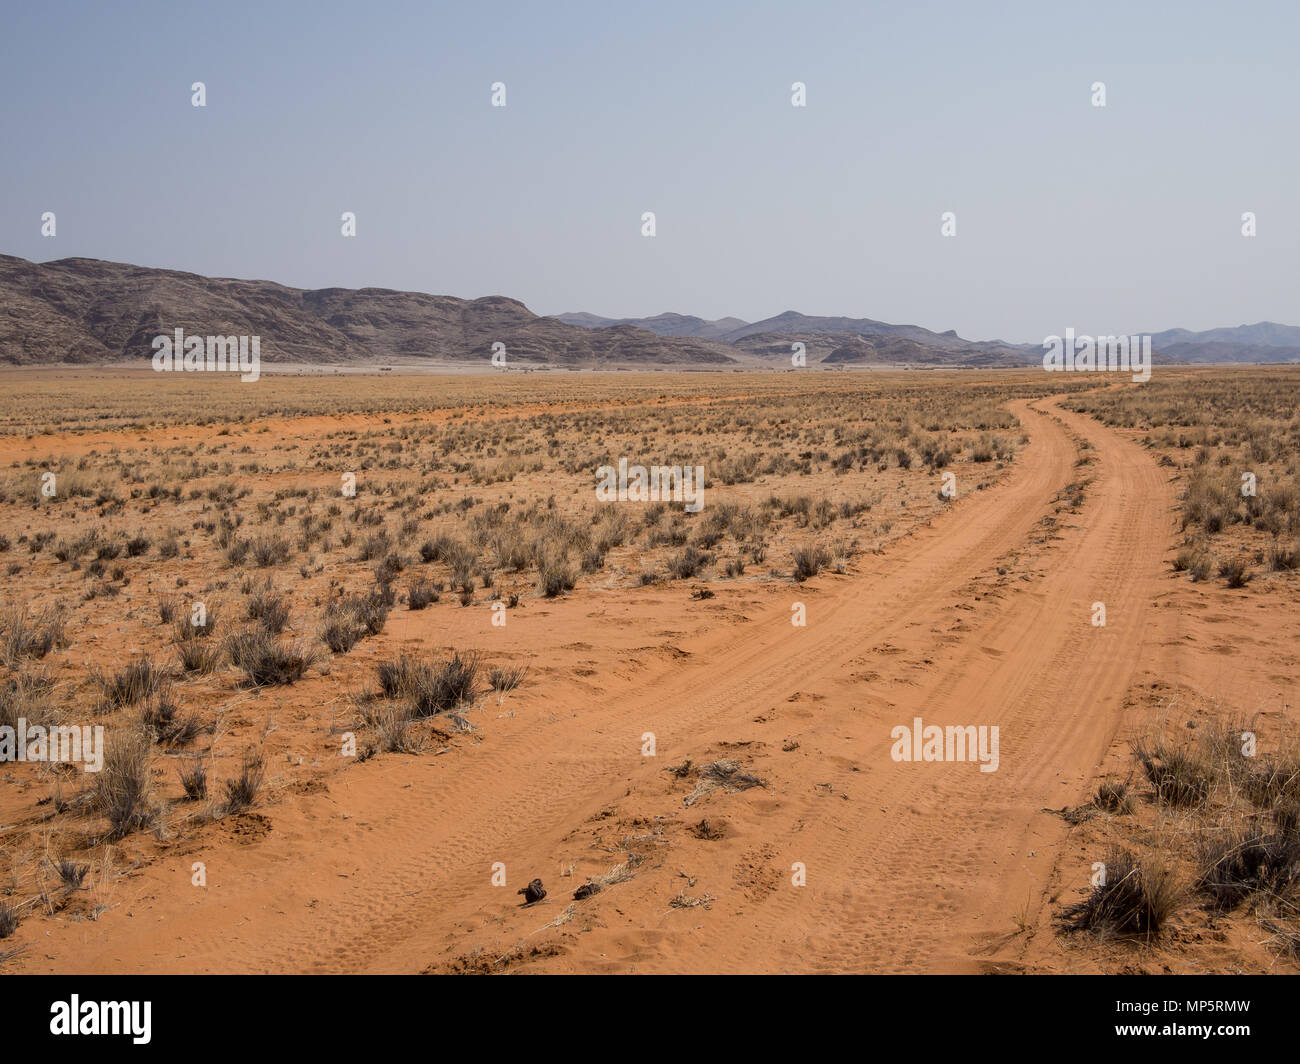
{"x": 88, "y": 310}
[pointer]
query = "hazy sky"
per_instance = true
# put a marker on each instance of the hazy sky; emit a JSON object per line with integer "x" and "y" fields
{"x": 1108, "y": 220}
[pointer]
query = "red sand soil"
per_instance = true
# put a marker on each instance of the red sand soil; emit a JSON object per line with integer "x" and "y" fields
{"x": 979, "y": 617}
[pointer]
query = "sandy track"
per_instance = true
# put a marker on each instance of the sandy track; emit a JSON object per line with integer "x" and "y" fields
{"x": 911, "y": 867}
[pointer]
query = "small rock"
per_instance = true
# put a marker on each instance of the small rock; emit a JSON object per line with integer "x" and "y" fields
{"x": 533, "y": 892}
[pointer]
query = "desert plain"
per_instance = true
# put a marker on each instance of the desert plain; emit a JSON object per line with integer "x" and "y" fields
{"x": 370, "y": 656}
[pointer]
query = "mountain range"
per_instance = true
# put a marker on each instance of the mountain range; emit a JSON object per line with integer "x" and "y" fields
{"x": 827, "y": 340}
{"x": 90, "y": 311}
{"x": 833, "y": 340}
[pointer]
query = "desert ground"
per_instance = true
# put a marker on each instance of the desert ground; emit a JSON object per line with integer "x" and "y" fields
{"x": 432, "y": 667}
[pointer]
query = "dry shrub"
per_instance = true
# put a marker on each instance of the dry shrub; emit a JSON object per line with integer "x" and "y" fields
{"x": 8, "y": 919}
{"x": 430, "y": 688}
{"x": 725, "y": 774}
{"x": 132, "y": 684}
{"x": 270, "y": 609}
{"x": 266, "y": 660}
{"x": 349, "y": 620}
{"x": 1113, "y": 796}
{"x": 25, "y": 634}
{"x": 124, "y": 786}
{"x": 503, "y": 678}
{"x": 27, "y": 695}
{"x": 1247, "y": 861}
{"x": 242, "y": 790}
{"x": 270, "y": 551}
{"x": 421, "y": 593}
{"x": 1181, "y": 775}
{"x": 393, "y": 732}
{"x": 1137, "y": 898}
{"x": 194, "y": 778}
{"x": 809, "y": 560}
{"x": 197, "y": 656}
{"x": 689, "y": 562}
{"x": 184, "y": 630}
{"x": 554, "y": 577}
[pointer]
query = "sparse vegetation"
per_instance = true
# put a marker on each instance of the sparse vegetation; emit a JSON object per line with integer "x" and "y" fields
{"x": 465, "y": 501}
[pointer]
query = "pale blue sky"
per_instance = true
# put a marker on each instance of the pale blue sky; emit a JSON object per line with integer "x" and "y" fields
{"x": 1105, "y": 220}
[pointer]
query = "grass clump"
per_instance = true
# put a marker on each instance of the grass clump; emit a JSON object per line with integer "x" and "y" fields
{"x": 124, "y": 787}
{"x": 502, "y": 678}
{"x": 1180, "y": 775}
{"x": 809, "y": 560}
{"x": 1135, "y": 898}
{"x": 267, "y": 660}
{"x": 430, "y": 688}
{"x": 132, "y": 684}
{"x": 242, "y": 790}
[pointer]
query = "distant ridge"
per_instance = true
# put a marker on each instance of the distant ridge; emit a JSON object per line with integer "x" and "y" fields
{"x": 845, "y": 341}
{"x": 1264, "y": 341}
{"x": 1261, "y": 334}
{"x": 833, "y": 341}
{"x": 92, "y": 311}
{"x": 660, "y": 324}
